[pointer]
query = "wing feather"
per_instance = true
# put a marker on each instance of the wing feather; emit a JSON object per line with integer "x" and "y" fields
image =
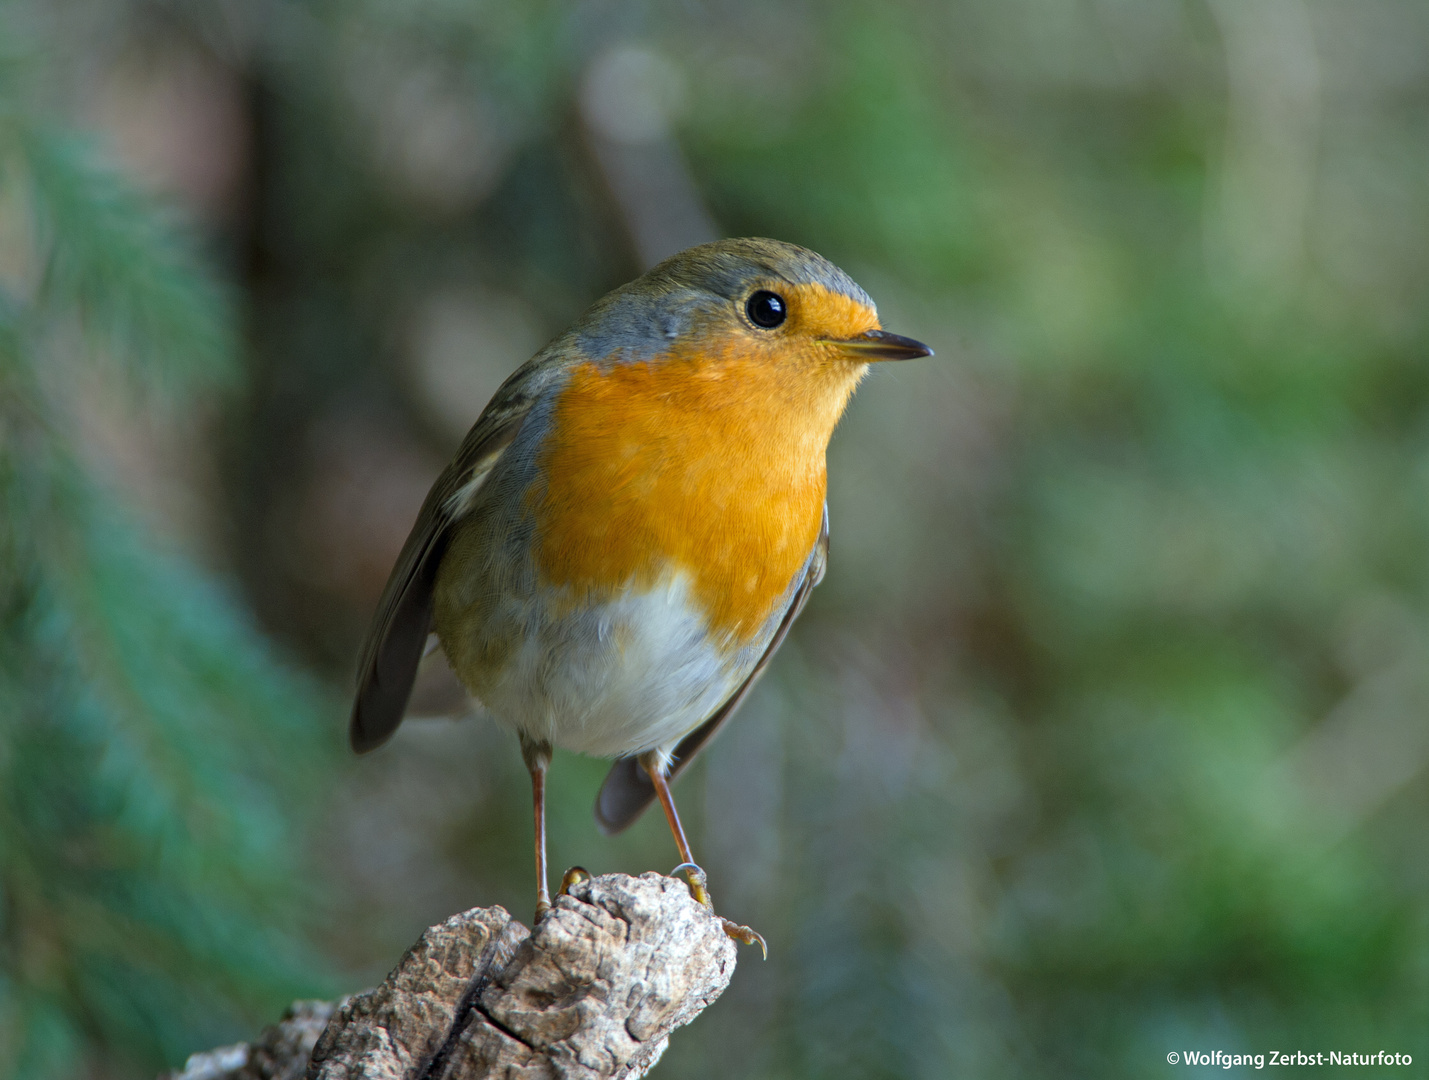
{"x": 398, "y": 635}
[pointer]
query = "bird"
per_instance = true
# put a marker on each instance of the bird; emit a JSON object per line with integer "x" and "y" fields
{"x": 633, "y": 523}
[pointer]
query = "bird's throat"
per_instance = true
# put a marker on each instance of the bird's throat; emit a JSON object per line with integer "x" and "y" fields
{"x": 715, "y": 471}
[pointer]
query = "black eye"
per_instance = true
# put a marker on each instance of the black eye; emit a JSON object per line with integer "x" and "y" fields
{"x": 766, "y": 309}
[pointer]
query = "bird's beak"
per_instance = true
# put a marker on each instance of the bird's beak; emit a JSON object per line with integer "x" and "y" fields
{"x": 881, "y": 345}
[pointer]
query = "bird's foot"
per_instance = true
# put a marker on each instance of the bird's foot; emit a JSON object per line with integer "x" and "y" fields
{"x": 574, "y": 876}
{"x": 698, "y": 884}
{"x": 745, "y": 934}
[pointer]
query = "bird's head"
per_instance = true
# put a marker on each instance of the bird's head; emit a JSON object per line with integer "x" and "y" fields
{"x": 736, "y": 301}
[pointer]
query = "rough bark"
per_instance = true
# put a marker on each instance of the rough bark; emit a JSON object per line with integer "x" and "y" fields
{"x": 595, "y": 992}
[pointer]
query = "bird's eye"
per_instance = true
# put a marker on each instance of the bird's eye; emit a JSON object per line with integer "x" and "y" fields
{"x": 766, "y": 309}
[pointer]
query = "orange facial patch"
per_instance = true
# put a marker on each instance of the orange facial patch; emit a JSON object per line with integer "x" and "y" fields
{"x": 709, "y": 460}
{"x": 816, "y": 312}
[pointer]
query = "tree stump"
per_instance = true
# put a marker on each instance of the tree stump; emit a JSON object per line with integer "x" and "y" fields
{"x": 595, "y": 992}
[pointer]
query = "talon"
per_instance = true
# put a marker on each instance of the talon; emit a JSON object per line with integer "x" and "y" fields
{"x": 697, "y": 881}
{"x": 699, "y": 889}
{"x": 573, "y": 876}
{"x": 745, "y": 935}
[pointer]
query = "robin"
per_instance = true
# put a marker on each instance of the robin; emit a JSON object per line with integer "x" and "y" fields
{"x": 632, "y": 525}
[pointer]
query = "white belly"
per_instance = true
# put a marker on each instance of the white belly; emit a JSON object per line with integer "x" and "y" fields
{"x": 637, "y": 673}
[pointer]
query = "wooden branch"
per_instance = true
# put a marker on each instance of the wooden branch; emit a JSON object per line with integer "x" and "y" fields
{"x": 595, "y": 992}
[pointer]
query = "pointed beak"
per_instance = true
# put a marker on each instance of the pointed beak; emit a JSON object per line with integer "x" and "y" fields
{"x": 881, "y": 345}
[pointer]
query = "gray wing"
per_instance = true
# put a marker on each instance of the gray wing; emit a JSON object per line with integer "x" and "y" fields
{"x": 627, "y": 790}
{"x": 398, "y": 635}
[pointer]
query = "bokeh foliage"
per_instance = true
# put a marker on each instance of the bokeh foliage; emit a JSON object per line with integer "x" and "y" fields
{"x": 152, "y": 749}
{"x": 1106, "y": 734}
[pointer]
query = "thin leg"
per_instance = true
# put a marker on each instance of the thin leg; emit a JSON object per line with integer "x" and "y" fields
{"x": 538, "y": 759}
{"x": 693, "y": 874}
{"x": 667, "y": 803}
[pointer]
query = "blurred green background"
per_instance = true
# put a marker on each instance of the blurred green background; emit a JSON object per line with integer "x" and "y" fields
{"x": 1104, "y": 737}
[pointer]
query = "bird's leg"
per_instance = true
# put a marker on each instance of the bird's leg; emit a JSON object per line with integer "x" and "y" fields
{"x": 698, "y": 883}
{"x": 537, "y": 756}
{"x": 653, "y": 766}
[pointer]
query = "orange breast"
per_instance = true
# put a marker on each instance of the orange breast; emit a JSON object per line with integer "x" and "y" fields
{"x": 710, "y": 465}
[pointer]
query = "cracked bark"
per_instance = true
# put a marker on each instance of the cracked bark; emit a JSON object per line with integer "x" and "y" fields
{"x": 595, "y": 992}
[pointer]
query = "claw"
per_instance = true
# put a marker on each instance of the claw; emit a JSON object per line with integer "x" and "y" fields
{"x": 573, "y": 876}
{"x": 697, "y": 881}
{"x": 699, "y": 889}
{"x": 746, "y": 935}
